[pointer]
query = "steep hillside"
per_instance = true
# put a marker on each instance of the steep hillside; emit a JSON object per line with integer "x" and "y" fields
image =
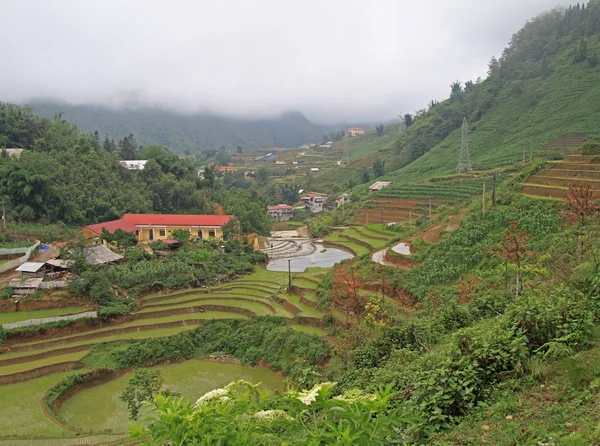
{"x": 187, "y": 132}
{"x": 546, "y": 83}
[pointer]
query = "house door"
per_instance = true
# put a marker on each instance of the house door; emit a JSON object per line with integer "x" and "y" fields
{"x": 151, "y": 234}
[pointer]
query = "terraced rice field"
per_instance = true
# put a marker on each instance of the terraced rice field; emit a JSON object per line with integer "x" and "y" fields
{"x": 260, "y": 293}
{"x": 361, "y": 239}
{"x": 554, "y": 183}
{"x": 449, "y": 192}
{"x": 99, "y": 409}
{"x": 380, "y": 210}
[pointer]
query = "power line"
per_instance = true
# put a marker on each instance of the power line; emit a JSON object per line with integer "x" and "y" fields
{"x": 464, "y": 158}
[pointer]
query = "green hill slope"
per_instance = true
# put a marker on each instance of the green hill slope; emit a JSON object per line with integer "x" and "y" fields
{"x": 546, "y": 83}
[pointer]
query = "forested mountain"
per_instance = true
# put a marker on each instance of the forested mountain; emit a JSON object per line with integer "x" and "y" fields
{"x": 67, "y": 176}
{"x": 187, "y": 133}
{"x": 546, "y": 83}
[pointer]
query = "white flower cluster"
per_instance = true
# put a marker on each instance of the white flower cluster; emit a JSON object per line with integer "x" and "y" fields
{"x": 310, "y": 396}
{"x": 355, "y": 396}
{"x": 271, "y": 415}
{"x": 213, "y": 394}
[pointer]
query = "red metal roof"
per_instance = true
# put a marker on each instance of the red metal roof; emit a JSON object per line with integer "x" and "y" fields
{"x": 131, "y": 222}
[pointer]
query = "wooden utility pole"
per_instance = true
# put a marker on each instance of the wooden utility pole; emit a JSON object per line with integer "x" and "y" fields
{"x": 430, "y": 208}
{"x": 289, "y": 276}
{"x": 483, "y": 197}
{"x": 523, "y": 153}
{"x": 410, "y": 217}
{"x": 382, "y": 227}
{"x": 494, "y": 175}
{"x": 3, "y": 217}
{"x": 530, "y": 150}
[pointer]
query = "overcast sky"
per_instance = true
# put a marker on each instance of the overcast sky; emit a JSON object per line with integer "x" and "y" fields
{"x": 332, "y": 60}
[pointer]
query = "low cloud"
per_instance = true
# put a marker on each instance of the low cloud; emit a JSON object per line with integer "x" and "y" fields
{"x": 332, "y": 60}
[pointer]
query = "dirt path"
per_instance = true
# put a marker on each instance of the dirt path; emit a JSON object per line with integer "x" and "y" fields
{"x": 431, "y": 236}
{"x": 41, "y": 256}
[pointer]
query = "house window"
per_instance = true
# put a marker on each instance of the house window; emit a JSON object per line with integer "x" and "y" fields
{"x": 200, "y": 233}
{"x": 162, "y": 233}
{"x": 211, "y": 233}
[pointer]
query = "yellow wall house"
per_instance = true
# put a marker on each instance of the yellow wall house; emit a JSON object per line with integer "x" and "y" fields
{"x": 149, "y": 227}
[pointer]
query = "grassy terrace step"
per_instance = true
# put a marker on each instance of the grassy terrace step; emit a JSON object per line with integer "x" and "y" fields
{"x": 376, "y": 229}
{"x": 305, "y": 282}
{"x": 356, "y": 241}
{"x": 6, "y": 318}
{"x": 306, "y": 310}
{"x": 30, "y": 365}
{"x": 345, "y": 244}
{"x": 259, "y": 308}
{"x": 565, "y": 173}
{"x": 558, "y": 181}
{"x": 219, "y": 293}
{"x": 578, "y": 166}
{"x": 367, "y": 233}
{"x": 203, "y": 298}
{"x": 311, "y": 295}
{"x": 101, "y": 439}
{"x": 141, "y": 334}
{"x": 374, "y": 242}
{"x": 219, "y": 290}
{"x": 310, "y": 330}
{"x": 161, "y": 318}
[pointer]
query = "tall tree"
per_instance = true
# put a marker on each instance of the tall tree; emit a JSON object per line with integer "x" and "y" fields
{"x": 128, "y": 148}
{"x": 345, "y": 293}
{"x": 379, "y": 130}
{"x": 378, "y": 167}
{"x": 515, "y": 249}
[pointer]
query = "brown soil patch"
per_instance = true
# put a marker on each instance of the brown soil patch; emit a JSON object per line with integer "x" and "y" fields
{"x": 433, "y": 234}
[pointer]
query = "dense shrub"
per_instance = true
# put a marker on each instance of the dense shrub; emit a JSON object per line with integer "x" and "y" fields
{"x": 267, "y": 338}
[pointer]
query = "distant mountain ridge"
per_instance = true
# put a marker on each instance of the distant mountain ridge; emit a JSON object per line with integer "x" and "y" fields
{"x": 181, "y": 133}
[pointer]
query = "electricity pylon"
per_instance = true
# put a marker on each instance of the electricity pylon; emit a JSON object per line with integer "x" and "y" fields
{"x": 464, "y": 159}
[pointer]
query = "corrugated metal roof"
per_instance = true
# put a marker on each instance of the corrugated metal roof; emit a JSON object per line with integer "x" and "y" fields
{"x": 60, "y": 263}
{"x": 100, "y": 254}
{"x": 30, "y": 267}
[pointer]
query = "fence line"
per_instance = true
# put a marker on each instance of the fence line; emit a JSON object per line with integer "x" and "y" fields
{"x": 54, "y": 284}
{"x": 46, "y": 320}
{"x": 10, "y": 251}
{"x": 17, "y": 262}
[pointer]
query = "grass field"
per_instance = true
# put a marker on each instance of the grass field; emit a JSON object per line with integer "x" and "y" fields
{"x": 7, "y": 318}
{"x": 30, "y": 365}
{"x": 99, "y": 409}
{"x": 20, "y": 411}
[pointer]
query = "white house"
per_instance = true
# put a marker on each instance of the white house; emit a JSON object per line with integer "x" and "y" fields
{"x": 133, "y": 164}
{"x": 281, "y": 212}
{"x": 379, "y": 185}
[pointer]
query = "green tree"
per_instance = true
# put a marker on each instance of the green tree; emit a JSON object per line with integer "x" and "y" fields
{"x": 364, "y": 175}
{"x": 182, "y": 236}
{"x": 144, "y": 385}
{"x": 378, "y": 167}
{"x": 262, "y": 175}
{"x": 128, "y": 148}
{"x": 379, "y": 130}
{"x": 223, "y": 157}
{"x": 408, "y": 119}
